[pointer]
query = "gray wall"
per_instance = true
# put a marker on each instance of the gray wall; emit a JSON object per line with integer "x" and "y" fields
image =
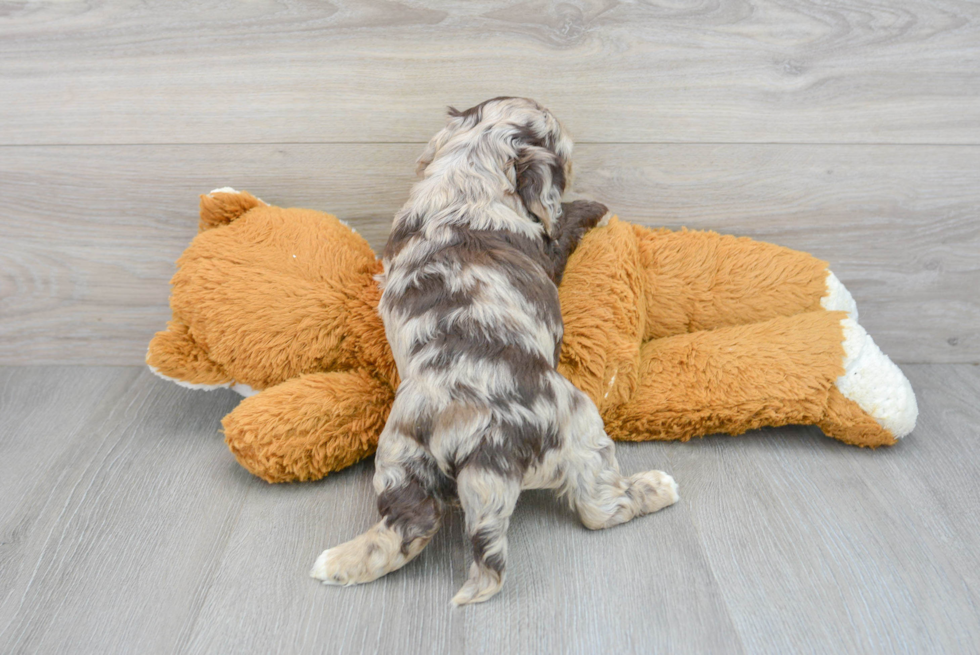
{"x": 851, "y": 132}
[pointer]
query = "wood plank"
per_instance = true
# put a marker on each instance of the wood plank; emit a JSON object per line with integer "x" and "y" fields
{"x": 108, "y": 575}
{"x": 41, "y": 400}
{"x": 43, "y": 411}
{"x": 644, "y": 587}
{"x": 142, "y": 535}
{"x": 898, "y": 225}
{"x": 90, "y": 233}
{"x": 109, "y": 543}
{"x": 263, "y": 600}
{"x": 821, "y": 547}
{"x": 382, "y": 71}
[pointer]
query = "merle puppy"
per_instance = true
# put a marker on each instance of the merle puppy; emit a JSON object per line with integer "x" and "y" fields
{"x": 470, "y": 307}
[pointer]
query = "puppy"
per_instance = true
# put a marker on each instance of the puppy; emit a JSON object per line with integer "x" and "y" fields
{"x": 470, "y": 308}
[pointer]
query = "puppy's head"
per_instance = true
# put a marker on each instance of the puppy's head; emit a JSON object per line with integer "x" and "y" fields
{"x": 515, "y": 138}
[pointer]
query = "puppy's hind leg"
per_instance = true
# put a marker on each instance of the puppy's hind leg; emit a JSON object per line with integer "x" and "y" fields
{"x": 412, "y": 507}
{"x": 592, "y": 481}
{"x": 488, "y": 499}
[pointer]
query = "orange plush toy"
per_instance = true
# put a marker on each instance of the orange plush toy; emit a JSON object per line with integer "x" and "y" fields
{"x": 673, "y": 335}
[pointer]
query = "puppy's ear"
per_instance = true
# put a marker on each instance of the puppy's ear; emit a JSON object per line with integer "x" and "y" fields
{"x": 539, "y": 176}
{"x": 455, "y": 120}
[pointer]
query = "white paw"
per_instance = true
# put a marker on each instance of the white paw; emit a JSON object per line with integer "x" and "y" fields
{"x": 604, "y": 221}
{"x": 673, "y": 491}
{"x": 482, "y": 585}
{"x": 326, "y": 569}
{"x": 659, "y": 489}
{"x": 838, "y": 298}
{"x": 875, "y": 383}
{"x": 665, "y": 483}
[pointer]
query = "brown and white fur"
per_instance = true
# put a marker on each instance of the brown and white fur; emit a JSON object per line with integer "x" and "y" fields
{"x": 470, "y": 307}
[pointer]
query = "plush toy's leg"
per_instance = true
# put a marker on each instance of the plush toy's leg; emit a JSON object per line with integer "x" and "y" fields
{"x": 872, "y": 386}
{"x": 814, "y": 368}
{"x": 224, "y": 205}
{"x": 763, "y": 346}
{"x": 702, "y": 281}
{"x": 837, "y": 298}
{"x": 309, "y": 426}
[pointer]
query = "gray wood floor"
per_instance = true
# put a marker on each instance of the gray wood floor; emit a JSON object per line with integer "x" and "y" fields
{"x": 127, "y": 527}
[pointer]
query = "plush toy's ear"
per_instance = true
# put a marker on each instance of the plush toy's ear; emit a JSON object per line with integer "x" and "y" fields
{"x": 309, "y": 426}
{"x": 224, "y": 205}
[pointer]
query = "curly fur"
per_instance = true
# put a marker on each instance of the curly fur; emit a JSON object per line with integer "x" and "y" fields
{"x": 470, "y": 308}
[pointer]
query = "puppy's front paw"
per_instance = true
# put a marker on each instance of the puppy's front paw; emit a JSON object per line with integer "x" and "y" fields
{"x": 584, "y": 214}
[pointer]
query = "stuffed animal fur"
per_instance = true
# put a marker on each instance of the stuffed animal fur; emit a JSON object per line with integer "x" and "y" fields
{"x": 673, "y": 334}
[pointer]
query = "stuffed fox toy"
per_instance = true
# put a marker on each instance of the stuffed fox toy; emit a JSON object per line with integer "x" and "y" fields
{"x": 673, "y": 334}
